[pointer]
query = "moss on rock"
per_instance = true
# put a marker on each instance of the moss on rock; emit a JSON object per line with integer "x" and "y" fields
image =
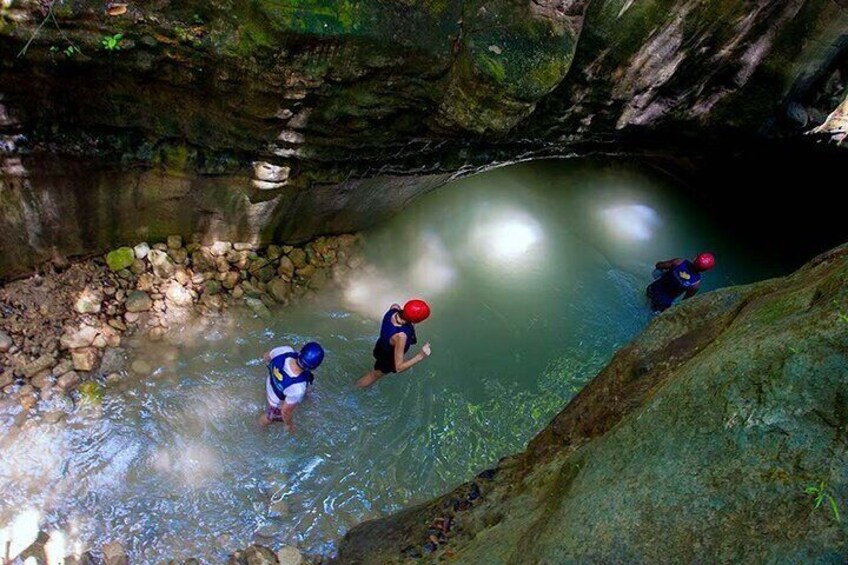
{"x": 121, "y": 258}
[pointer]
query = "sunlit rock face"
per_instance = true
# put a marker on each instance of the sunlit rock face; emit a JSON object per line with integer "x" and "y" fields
{"x": 294, "y": 119}
{"x": 708, "y": 438}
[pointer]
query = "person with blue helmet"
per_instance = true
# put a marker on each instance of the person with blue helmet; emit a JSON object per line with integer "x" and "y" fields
{"x": 289, "y": 377}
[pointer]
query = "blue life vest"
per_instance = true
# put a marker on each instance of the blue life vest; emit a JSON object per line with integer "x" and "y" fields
{"x": 675, "y": 281}
{"x": 280, "y": 377}
{"x": 388, "y": 331}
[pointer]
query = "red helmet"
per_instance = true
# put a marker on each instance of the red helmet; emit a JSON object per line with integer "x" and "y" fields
{"x": 416, "y": 311}
{"x": 704, "y": 261}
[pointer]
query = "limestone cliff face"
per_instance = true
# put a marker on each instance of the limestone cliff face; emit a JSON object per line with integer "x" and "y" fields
{"x": 695, "y": 444}
{"x": 289, "y": 118}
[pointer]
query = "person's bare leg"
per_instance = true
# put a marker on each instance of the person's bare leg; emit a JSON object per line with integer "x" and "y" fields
{"x": 263, "y": 420}
{"x": 370, "y": 378}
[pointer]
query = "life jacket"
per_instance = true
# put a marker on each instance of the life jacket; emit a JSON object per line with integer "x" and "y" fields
{"x": 281, "y": 379}
{"x": 676, "y": 281}
{"x": 388, "y": 331}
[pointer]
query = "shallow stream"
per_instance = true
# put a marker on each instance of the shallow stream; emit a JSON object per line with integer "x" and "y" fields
{"x": 535, "y": 274}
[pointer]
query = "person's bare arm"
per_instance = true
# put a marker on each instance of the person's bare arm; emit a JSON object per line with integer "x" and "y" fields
{"x": 287, "y": 412}
{"x": 401, "y": 364}
{"x": 692, "y": 290}
{"x": 395, "y": 307}
{"x": 669, "y": 264}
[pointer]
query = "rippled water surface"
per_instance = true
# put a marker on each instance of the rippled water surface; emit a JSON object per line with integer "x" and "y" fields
{"x": 535, "y": 273}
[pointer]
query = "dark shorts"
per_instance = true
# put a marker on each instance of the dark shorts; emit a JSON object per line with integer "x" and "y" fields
{"x": 273, "y": 413}
{"x": 384, "y": 361}
{"x": 659, "y": 301}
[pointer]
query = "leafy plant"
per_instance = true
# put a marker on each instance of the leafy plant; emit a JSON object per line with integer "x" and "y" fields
{"x": 112, "y": 42}
{"x": 71, "y": 50}
{"x": 821, "y": 492}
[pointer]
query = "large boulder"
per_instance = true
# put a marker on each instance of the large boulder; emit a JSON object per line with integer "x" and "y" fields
{"x": 704, "y": 440}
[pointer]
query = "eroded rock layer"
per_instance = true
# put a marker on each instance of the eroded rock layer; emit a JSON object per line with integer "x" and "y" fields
{"x": 281, "y": 120}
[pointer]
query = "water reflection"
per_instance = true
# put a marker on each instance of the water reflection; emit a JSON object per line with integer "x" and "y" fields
{"x": 631, "y": 222}
{"x": 426, "y": 270}
{"x": 506, "y": 235}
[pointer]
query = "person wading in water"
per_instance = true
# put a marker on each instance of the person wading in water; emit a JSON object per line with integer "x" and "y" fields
{"x": 397, "y": 335}
{"x": 679, "y": 276}
{"x": 289, "y": 376}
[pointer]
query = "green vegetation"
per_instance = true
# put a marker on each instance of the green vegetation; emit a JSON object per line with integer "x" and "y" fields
{"x": 822, "y": 493}
{"x": 112, "y": 42}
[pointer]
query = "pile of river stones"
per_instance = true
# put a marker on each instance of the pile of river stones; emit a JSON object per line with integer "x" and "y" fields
{"x": 146, "y": 290}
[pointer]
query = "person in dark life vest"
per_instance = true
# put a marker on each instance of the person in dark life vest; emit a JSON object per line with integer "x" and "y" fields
{"x": 289, "y": 377}
{"x": 679, "y": 276}
{"x": 397, "y": 335}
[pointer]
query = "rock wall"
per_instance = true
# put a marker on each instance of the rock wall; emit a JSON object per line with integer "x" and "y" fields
{"x": 708, "y": 438}
{"x": 294, "y": 119}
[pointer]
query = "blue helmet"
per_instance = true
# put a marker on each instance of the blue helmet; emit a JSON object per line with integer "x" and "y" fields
{"x": 311, "y": 356}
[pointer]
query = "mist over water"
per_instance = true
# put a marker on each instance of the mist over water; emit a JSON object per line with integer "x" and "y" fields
{"x": 535, "y": 275}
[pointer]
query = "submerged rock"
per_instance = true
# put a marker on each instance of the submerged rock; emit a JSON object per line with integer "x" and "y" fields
{"x": 258, "y": 307}
{"x": 115, "y": 554}
{"x": 114, "y": 360}
{"x": 68, "y": 380}
{"x": 91, "y": 392}
{"x": 140, "y": 367}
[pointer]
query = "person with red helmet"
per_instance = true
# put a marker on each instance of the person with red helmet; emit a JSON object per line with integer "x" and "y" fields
{"x": 678, "y": 277}
{"x": 397, "y": 335}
